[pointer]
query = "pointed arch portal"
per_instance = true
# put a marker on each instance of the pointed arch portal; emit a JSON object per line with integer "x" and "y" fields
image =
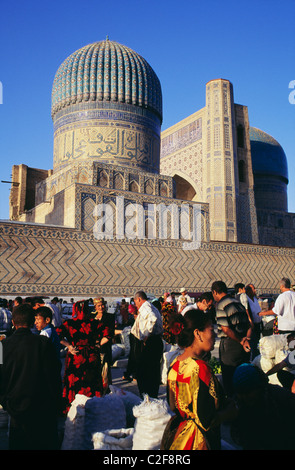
{"x": 184, "y": 189}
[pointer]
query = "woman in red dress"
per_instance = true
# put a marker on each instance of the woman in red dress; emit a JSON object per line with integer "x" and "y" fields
{"x": 82, "y": 373}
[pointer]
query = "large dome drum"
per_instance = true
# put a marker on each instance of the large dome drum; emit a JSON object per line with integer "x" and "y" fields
{"x": 107, "y": 107}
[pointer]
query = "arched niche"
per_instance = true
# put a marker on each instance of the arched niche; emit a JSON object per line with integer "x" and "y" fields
{"x": 184, "y": 188}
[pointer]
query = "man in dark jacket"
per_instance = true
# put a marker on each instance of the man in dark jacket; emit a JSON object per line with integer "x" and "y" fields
{"x": 30, "y": 385}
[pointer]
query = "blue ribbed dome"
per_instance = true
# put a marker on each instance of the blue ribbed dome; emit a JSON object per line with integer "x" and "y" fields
{"x": 106, "y": 71}
{"x": 268, "y": 157}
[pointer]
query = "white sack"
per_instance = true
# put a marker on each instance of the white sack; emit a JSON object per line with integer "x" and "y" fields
{"x": 168, "y": 357}
{"x": 74, "y": 425}
{"x": 152, "y": 416}
{"x": 265, "y": 364}
{"x": 268, "y": 345}
{"x": 113, "y": 439}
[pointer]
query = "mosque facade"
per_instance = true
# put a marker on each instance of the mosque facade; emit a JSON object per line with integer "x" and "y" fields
{"x": 210, "y": 178}
{"x": 107, "y": 116}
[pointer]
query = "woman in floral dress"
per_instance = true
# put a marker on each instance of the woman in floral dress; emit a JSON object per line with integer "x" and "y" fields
{"x": 168, "y": 312}
{"x": 82, "y": 373}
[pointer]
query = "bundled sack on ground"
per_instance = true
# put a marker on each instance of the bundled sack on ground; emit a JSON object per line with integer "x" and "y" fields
{"x": 101, "y": 414}
{"x": 273, "y": 349}
{"x": 151, "y": 418}
{"x": 88, "y": 416}
{"x": 170, "y": 353}
{"x": 121, "y": 349}
{"x": 125, "y": 339}
{"x": 74, "y": 425}
{"x": 113, "y": 439}
{"x": 118, "y": 351}
{"x": 130, "y": 400}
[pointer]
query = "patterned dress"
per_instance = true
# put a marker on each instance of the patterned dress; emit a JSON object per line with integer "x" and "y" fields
{"x": 82, "y": 371}
{"x": 193, "y": 393}
{"x": 168, "y": 311}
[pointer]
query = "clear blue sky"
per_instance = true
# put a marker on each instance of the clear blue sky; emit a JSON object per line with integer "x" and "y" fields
{"x": 250, "y": 43}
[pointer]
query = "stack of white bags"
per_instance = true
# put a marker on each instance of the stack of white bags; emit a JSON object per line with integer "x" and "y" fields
{"x": 273, "y": 349}
{"x": 100, "y": 423}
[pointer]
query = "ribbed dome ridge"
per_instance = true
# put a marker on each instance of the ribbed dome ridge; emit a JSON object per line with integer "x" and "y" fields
{"x": 106, "y": 71}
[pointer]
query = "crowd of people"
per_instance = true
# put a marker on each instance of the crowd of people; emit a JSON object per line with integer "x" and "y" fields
{"x": 35, "y": 334}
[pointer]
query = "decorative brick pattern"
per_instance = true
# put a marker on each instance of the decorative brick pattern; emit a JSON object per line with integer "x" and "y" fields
{"x": 49, "y": 260}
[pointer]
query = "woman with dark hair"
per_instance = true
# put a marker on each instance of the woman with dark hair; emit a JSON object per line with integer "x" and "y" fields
{"x": 194, "y": 394}
{"x": 105, "y": 327}
{"x": 168, "y": 311}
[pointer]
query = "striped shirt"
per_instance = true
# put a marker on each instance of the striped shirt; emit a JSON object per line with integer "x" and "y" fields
{"x": 232, "y": 314}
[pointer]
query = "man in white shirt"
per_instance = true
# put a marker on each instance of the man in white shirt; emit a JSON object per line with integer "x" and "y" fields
{"x": 284, "y": 308}
{"x": 148, "y": 330}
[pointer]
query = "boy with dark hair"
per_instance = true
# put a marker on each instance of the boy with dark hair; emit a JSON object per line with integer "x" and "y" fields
{"x": 43, "y": 319}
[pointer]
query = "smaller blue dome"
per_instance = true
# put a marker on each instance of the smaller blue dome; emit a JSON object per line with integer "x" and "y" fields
{"x": 268, "y": 157}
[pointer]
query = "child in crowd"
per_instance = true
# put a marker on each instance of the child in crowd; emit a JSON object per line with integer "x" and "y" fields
{"x": 43, "y": 322}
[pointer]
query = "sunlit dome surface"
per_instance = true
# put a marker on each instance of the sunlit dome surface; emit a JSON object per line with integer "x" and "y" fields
{"x": 106, "y": 71}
